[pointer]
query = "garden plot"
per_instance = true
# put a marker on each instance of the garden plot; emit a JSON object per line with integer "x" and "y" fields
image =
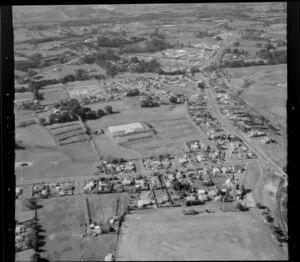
{"x": 68, "y": 133}
{"x": 104, "y": 206}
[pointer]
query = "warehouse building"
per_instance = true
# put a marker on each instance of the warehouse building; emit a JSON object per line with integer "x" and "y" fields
{"x": 121, "y": 130}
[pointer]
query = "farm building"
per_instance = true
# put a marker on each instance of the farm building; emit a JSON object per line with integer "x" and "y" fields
{"x": 125, "y": 129}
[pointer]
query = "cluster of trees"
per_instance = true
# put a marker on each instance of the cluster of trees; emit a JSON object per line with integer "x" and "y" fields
{"x": 237, "y": 51}
{"x": 242, "y": 63}
{"x": 72, "y": 109}
{"x": 104, "y": 41}
{"x": 142, "y": 66}
{"x": 273, "y": 56}
{"x": 133, "y": 92}
{"x": 253, "y": 34}
{"x": 22, "y": 89}
{"x": 39, "y": 27}
{"x": 201, "y": 34}
{"x": 149, "y": 102}
{"x": 173, "y": 72}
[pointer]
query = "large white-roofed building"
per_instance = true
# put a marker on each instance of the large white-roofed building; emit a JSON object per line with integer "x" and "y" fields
{"x": 125, "y": 129}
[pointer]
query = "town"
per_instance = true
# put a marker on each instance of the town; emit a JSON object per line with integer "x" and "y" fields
{"x": 151, "y": 132}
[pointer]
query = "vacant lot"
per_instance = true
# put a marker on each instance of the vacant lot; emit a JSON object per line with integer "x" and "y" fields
{"x": 166, "y": 234}
{"x": 61, "y": 219}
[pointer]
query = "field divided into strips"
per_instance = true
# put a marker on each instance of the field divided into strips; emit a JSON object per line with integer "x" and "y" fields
{"x": 68, "y": 133}
{"x": 102, "y": 207}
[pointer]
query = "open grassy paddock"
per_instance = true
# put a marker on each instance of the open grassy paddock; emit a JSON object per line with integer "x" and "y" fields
{"x": 61, "y": 219}
{"x": 167, "y": 234}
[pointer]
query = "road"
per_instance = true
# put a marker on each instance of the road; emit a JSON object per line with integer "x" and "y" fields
{"x": 257, "y": 150}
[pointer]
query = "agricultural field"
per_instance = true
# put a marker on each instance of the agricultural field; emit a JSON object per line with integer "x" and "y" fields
{"x": 61, "y": 70}
{"x": 34, "y": 135}
{"x": 268, "y": 93}
{"x": 167, "y": 234}
{"x": 67, "y": 133}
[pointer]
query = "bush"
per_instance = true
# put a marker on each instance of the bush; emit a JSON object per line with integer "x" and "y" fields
{"x": 237, "y": 43}
{"x": 259, "y": 45}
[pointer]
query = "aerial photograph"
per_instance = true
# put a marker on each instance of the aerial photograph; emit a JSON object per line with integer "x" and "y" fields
{"x": 151, "y": 132}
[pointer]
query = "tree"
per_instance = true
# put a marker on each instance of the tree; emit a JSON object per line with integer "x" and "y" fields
{"x": 108, "y": 109}
{"x": 259, "y": 45}
{"x": 100, "y": 113}
{"x": 35, "y": 257}
{"x": 42, "y": 120}
{"x": 30, "y": 203}
{"x": 80, "y": 74}
{"x": 218, "y": 38}
{"x": 133, "y": 60}
{"x": 173, "y": 99}
{"x": 133, "y": 92}
{"x": 236, "y": 43}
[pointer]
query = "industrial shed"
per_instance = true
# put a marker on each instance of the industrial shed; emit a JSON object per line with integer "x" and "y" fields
{"x": 125, "y": 129}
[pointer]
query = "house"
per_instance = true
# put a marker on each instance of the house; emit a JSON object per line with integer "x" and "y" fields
{"x": 266, "y": 140}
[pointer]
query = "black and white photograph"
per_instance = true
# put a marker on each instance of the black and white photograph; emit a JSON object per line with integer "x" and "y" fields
{"x": 151, "y": 132}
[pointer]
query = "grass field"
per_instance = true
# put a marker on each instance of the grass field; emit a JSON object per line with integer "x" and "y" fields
{"x": 166, "y": 234}
{"x": 61, "y": 219}
{"x": 170, "y": 123}
{"x": 70, "y": 160}
{"x": 34, "y": 135}
{"x": 265, "y": 94}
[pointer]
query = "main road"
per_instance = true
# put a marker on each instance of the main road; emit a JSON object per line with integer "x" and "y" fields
{"x": 257, "y": 150}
